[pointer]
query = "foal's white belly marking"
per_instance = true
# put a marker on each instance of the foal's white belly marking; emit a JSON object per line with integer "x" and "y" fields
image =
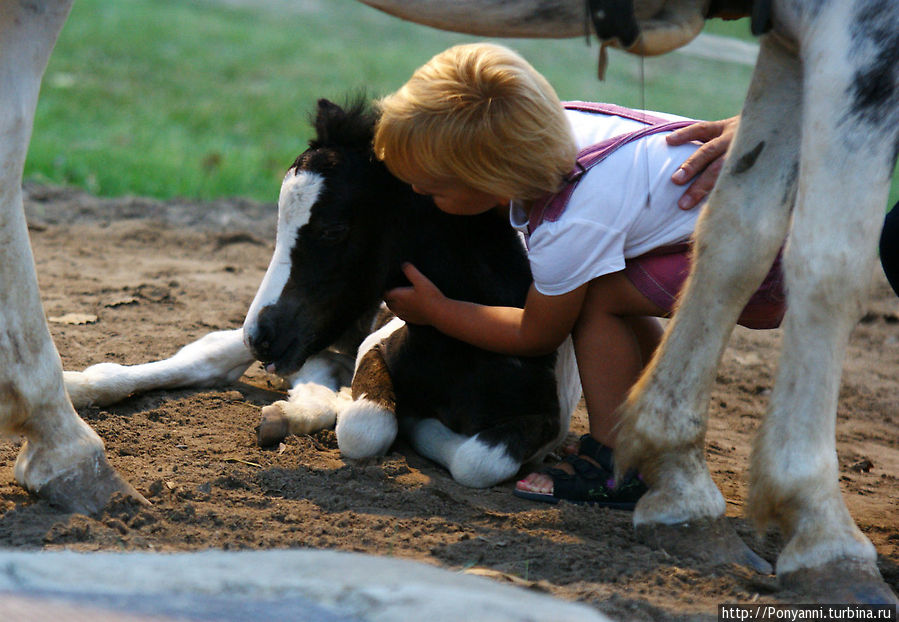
{"x": 299, "y": 193}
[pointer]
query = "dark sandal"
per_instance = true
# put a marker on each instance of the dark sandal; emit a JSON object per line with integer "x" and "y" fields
{"x": 590, "y": 484}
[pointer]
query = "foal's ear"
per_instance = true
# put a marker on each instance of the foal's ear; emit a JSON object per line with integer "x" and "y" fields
{"x": 351, "y": 125}
{"x": 327, "y": 108}
{"x": 329, "y": 116}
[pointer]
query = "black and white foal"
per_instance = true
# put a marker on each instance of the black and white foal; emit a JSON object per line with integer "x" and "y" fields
{"x": 345, "y": 226}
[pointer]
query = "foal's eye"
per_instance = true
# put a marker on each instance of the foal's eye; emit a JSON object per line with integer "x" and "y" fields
{"x": 333, "y": 233}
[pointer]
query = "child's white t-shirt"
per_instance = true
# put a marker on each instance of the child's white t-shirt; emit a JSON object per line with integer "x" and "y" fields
{"x": 623, "y": 207}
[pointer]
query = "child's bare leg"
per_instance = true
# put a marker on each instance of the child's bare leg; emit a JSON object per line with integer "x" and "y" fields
{"x": 613, "y": 339}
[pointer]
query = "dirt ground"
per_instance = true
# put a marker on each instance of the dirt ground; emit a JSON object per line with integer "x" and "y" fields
{"x": 156, "y": 276}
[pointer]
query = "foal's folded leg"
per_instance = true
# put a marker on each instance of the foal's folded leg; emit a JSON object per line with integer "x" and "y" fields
{"x": 367, "y": 426}
{"x": 313, "y": 402}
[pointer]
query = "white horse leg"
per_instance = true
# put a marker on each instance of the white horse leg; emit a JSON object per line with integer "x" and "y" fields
{"x": 738, "y": 235}
{"x": 63, "y": 459}
{"x": 215, "y": 359}
{"x": 313, "y": 402}
{"x": 848, "y": 153}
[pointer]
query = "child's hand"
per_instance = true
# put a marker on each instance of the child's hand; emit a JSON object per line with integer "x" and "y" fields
{"x": 415, "y": 304}
{"x": 707, "y": 161}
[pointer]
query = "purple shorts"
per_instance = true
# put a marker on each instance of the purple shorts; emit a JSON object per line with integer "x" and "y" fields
{"x": 660, "y": 276}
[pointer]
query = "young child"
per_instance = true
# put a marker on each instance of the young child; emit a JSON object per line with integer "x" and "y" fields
{"x": 478, "y": 128}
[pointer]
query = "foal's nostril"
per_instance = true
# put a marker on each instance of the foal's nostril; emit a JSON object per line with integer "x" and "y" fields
{"x": 262, "y": 346}
{"x": 262, "y": 339}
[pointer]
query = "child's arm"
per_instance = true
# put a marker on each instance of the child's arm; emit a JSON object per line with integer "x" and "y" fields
{"x": 537, "y": 329}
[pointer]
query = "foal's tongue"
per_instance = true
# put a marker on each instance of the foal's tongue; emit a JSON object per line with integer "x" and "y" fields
{"x": 270, "y": 368}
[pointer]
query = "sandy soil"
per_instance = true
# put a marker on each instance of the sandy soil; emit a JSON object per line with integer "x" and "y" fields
{"x": 158, "y": 275}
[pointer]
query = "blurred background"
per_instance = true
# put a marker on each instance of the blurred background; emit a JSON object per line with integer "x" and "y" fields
{"x": 212, "y": 98}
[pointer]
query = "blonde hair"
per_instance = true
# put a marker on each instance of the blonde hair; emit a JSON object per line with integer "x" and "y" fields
{"x": 481, "y": 115}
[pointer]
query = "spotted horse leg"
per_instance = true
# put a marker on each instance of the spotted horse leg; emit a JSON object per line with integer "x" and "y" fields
{"x": 664, "y": 420}
{"x": 844, "y": 181}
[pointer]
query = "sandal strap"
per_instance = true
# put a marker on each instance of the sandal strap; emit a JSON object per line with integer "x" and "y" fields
{"x": 586, "y": 469}
{"x": 592, "y": 484}
{"x": 595, "y": 488}
{"x": 602, "y": 454}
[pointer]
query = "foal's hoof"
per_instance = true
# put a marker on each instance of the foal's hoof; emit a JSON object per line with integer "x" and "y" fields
{"x": 87, "y": 487}
{"x": 712, "y": 541}
{"x": 841, "y": 581}
{"x": 272, "y": 428}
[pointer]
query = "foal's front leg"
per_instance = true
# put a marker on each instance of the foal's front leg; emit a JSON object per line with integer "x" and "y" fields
{"x": 63, "y": 459}
{"x": 738, "y": 235}
{"x": 215, "y": 359}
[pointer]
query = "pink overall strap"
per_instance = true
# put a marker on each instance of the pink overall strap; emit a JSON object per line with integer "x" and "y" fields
{"x": 551, "y": 207}
{"x": 613, "y": 109}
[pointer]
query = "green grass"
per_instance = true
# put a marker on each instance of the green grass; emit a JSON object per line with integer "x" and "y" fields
{"x": 171, "y": 98}
{"x": 736, "y": 28}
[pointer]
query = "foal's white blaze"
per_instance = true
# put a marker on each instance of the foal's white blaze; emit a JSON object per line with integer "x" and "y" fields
{"x": 299, "y": 193}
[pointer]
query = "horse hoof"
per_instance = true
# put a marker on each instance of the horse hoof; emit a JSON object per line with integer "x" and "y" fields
{"x": 841, "y": 581}
{"x": 87, "y": 487}
{"x": 711, "y": 541}
{"x": 272, "y": 428}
